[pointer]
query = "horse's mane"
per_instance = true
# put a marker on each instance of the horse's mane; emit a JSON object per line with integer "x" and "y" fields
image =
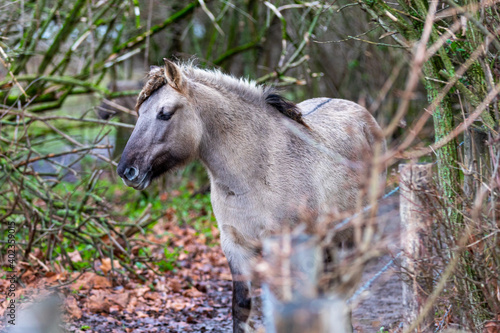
{"x": 246, "y": 89}
{"x": 154, "y": 81}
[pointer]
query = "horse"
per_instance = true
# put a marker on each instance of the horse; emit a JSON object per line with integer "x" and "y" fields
{"x": 270, "y": 162}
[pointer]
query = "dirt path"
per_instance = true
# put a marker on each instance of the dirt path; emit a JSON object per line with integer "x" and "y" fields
{"x": 380, "y": 305}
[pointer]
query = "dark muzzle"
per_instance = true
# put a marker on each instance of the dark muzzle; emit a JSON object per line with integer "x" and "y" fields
{"x": 131, "y": 173}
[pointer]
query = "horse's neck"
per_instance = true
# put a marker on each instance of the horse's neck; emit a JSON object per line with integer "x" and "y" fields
{"x": 236, "y": 143}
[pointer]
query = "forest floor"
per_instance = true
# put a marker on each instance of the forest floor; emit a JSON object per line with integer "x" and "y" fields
{"x": 193, "y": 295}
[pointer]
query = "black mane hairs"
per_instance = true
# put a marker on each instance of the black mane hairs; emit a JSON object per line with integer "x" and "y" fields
{"x": 286, "y": 107}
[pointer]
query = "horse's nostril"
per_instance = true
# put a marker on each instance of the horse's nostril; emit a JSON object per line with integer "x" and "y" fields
{"x": 131, "y": 173}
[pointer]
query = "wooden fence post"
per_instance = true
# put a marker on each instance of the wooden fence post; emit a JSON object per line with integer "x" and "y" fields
{"x": 415, "y": 179}
{"x": 290, "y": 292}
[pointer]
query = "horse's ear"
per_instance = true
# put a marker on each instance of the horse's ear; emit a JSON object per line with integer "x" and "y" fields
{"x": 174, "y": 76}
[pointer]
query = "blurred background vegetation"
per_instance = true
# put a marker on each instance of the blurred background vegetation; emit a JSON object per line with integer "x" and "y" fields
{"x": 70, "y": 71}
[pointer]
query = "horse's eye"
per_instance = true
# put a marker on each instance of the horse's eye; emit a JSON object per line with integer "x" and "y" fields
{"x": 164, "y": 115}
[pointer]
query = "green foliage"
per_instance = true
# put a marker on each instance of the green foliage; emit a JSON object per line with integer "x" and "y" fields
{"x": 170, "y": 261}
{"x": 353, "y": 64}
{"x": 370, "y": 2}
{"x": 184, "y": 205}
{"x": 69, "y": 200}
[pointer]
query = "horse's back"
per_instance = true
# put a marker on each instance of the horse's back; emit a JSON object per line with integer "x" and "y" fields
{"x": 342, "y": 125}
{"x": 348, "y": 134}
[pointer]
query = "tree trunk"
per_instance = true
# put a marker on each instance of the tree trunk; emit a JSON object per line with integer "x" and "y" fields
{"x": 415, "y": 180}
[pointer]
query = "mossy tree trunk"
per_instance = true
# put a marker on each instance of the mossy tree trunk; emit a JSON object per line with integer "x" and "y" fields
{"x": 448, "y": 172}
{"x": 410, "y": 27}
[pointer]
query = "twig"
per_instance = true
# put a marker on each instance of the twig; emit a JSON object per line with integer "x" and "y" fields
{"x": 211, "y": 16}
{"x": 417, "y": 64}
{"x": 52, "y": 155}
{"x": 7, "y": 66}
{"x": 67, "y": 80}
{"x": 69, "y": 282}
{"x": 155, "y": 29}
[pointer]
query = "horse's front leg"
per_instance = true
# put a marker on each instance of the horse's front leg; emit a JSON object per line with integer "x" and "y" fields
{"x": 242, "y": 301}
{"x": 239, "y": 257}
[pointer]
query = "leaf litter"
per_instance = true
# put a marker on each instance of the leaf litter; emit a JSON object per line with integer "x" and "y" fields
{"x": 185, "y": 286}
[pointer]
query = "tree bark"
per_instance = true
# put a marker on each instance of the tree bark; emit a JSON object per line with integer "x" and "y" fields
{"x": 415, "y": 180}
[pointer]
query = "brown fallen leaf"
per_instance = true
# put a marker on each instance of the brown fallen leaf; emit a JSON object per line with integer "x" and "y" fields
{"x": 175, "y": 285}
{"x": 141, "y": 314}
{"x": 55, "y": 278}
{"x": 176, "y": 306}
{"x": 90, "y": 280}
{"x": 72, "y": 308}
{"x": 141, "y": 291}
{"x": 97, "y": 302}
{"x": 106, "y": 265}
{"x": 132, "y": 304}
{"x": 75, "y": 256}
{"x": 151, "y": 296}
{"x": 49, "y": 274}
{"x": 491, "y": 327}
{"x": 114, "y": 308}
{"x": 192, "y": 292}
{"x": 120, "y": 299}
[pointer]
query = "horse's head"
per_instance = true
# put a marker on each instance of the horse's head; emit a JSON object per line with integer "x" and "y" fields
{"x": 168, "y": 131}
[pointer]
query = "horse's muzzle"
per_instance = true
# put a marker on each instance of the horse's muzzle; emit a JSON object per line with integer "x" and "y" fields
{"x": 131, "y": 173}
{"x": 132, "y": 177}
